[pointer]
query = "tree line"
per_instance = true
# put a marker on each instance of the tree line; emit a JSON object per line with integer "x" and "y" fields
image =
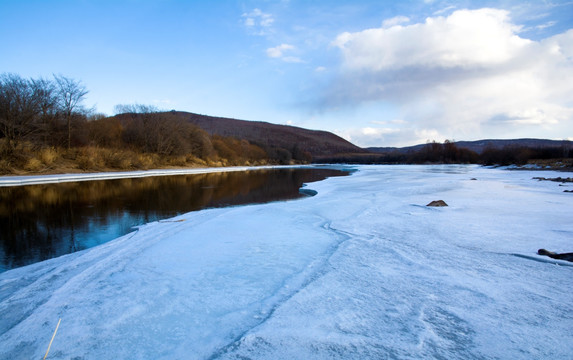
{"x": 449, "y": 153}
{"x": 44, "y": 125}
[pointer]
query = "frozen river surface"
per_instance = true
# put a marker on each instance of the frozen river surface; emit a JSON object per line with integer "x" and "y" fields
{"x": 363, "y": 270}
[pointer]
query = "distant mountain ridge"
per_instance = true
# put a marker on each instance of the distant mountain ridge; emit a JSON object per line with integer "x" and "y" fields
{"x": 316, "y": 142}
{"x": 479, "y": 146}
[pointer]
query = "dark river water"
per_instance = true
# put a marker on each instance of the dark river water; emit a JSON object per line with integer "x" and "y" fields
{"x": 39, "y": 222}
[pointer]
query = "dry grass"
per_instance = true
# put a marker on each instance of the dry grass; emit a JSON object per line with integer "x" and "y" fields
{"x": 48, "y": 156}
{"x": 556, "y": 164}
{"x": 27, "y": 160}
{"x": 33, "y": 165}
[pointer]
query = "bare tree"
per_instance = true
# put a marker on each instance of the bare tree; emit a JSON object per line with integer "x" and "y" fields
{"x": 19, "y": 109}
{"x": 71, "y": 93}
{"x": 144, "y": 128}
{"x": 135, "y": 109}
{"x": 46, "y": 96}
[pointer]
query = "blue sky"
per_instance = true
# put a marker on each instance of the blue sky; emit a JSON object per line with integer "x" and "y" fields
{"x": 378, "y": 73}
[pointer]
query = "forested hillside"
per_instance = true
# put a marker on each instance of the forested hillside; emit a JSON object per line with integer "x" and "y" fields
{"x": 317, "y": 143}
{"x": 44, "y": 127}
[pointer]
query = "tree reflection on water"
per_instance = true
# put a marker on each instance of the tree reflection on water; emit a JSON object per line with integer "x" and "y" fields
{"x": 39, "y": 222}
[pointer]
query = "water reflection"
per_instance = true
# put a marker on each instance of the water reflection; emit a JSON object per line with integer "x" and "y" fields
{"x": 39, "y": 222}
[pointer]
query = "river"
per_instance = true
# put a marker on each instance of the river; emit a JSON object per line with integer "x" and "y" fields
{"x": 39, "y": 222}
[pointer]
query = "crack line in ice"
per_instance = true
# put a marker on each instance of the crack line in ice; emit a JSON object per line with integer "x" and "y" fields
{"x": 82, "y": 271}
{"x": 322, "y": 264}
{"x": 51, "y": 276}
{"x": 549, "y": 261}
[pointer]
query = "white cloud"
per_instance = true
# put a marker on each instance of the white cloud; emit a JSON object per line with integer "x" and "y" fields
{"x": 258, "y": 22}
{"x": 395, "y": 21}
{"x": 278, "y": 52}
{"x": 378, "y": 131}
{"x": 464, "y": 76}
{"x": 388, "y": 136}
{"x": 546, "y": 25}
{"x": 444, "y": 10}
{"x": 465, "y": 38}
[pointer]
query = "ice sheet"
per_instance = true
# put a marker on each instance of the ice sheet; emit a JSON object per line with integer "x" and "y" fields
{"x": 362, "y": 270}
{"x": 59, "y": 178}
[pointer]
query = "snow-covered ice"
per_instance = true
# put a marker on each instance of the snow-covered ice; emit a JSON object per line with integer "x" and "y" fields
{"x": 60, "y": 178}
{"x": 362, "y": 270}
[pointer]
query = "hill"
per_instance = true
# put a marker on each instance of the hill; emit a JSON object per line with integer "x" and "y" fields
{"x": 318, "y": 143}
{"x": 479, "y": 146}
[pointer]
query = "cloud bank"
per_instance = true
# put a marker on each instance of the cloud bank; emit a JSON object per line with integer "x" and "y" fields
{"x": 468, "y": 75}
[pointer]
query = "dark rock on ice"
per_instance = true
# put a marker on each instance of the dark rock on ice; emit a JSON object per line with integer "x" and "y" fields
{"x": 551, "y": 254}
{"x": 437, "y": 203}
{"x": 557, "y": 179}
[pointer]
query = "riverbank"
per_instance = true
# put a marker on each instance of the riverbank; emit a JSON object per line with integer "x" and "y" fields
{"x": 35, "y": 179}
{"x": 58, "y": 178}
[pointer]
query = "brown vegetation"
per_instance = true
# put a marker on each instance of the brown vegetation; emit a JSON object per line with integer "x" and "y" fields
{"x": 302, "y": 144}
{"x": 45, "y": 129}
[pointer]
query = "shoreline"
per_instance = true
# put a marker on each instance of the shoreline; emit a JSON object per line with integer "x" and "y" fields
{"x": 22, "y": 180}
{"x": 39, "y": 179}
